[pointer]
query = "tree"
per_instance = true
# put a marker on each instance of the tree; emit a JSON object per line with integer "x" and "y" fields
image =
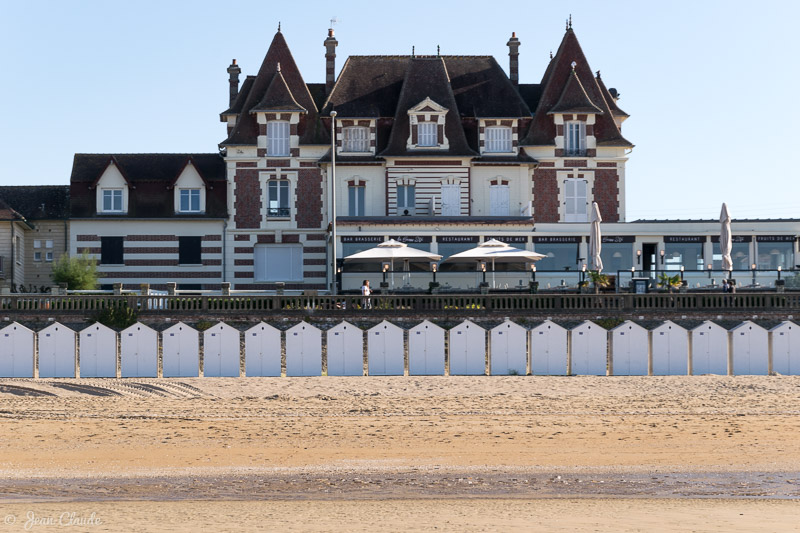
{"x": 79, "y": 273}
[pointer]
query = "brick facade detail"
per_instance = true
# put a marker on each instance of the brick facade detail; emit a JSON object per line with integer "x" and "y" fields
{"x": 606, "y": 194}
{"x": 247, "y": 199}
{"x": 308, "y": 207}
{"x": 545, "y": 196}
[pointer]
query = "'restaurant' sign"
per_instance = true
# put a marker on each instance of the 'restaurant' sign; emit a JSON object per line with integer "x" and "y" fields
{"x": 684, "y": 238}
{"x": 456, "y": 239}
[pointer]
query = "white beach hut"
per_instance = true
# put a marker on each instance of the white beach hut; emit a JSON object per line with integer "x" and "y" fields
{"x": 262, "y": 351}
{"x": 16, "y": 351}
{"x": 670, "y": 350}
{"x": 785, "y": 348}
{"x": 629, "y": 350}
{"x": 180, "y": 352}
{"x": 139, "y": 352}
{"x": 426, "y": 350}
{"x": 508, "y": 349}
{"x": 467, "y": 343}
{"x": 749, "y": 349}
{"x": 222, "y": 351}
{"x": 345, "y": 349}
{"x": 57, "y": 352}
{"x": 548, "y": 349}
{"x": 709, "y": 349}
{"x": 98, "y": 352}
{"x": 303, "y": 350}
{"x": 385, "y": 350}
{"x": 589, "y": 354}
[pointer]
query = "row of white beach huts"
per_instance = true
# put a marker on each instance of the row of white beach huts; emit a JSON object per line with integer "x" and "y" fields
{"x": 547, "y": 349}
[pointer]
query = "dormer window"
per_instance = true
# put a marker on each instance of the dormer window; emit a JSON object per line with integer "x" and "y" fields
{"x": 278, "y": 138}
{"x": 575, "y": 138}
{"x": 427, "y": 126}
{"x": 498, "y": 139}
{"x": 112, "y": 200}
{"x": 355, "y": 139}
{"x": 190, "y": 200}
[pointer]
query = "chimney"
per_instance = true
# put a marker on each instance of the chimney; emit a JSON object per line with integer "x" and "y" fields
{"x": 513, "y": 61}
{"x": 234, "y": 72}
{"x": 330, "y": 61}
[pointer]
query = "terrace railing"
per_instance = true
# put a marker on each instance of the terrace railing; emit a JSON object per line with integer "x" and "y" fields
{"x": 409, "y": 304}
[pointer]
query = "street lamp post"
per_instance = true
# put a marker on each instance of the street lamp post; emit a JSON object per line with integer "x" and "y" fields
{"x": 753, "y": 268}
{"x": 333, "y": 202}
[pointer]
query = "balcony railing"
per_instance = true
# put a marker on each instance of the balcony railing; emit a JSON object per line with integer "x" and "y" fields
{"x": 278, "y": 211}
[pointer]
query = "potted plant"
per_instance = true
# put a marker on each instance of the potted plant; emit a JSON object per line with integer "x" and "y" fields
{"x": 670, "y": 283}
{"x": 599, "y": 280}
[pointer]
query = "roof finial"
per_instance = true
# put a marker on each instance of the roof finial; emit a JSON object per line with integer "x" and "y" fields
{"x": 279, "y": 66}
{"x": 437, "y": 50}
{"x": 412, "y": 51}
{"x": 598, "y": 74}
{"x": 569, "y": 24}
{"x": 573, "y": 66}
{"x": 551, "y": 54}
{"x": 279, "y": 26}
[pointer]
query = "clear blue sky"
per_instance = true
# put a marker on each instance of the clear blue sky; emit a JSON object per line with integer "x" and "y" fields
{"x": 710, "y": 85}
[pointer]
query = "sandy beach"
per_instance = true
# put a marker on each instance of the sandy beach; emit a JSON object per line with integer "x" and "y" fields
{"x": 699, "y": 453}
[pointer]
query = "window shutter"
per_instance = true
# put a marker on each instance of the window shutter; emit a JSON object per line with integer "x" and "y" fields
{"x": 582, "y": 137}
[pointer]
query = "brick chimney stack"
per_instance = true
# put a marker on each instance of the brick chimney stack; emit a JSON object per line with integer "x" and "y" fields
{"x": 330, "y": 61}
{"x": 233, "y": 72}
{"x": 513, "y": 55}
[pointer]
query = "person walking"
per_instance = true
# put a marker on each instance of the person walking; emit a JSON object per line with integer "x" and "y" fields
{"x": 366, "y": 303}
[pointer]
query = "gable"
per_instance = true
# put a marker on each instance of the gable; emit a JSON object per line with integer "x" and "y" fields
{"x": 189, "y": 178}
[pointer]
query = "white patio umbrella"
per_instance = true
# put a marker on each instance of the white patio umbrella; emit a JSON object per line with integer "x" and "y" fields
{"x": 389, "y": 251}
{"x": 496, "y": 252}
{"x": 595, "y": 241}
{"x": 726, "y": 239}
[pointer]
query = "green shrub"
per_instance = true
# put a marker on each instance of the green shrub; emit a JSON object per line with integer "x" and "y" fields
{"x": 116, "y": 317}
{"x": 79, "y": 273}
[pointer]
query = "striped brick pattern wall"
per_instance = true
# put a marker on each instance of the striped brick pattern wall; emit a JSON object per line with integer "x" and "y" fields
{"x": 428, "y": 182}
{"x": 153, "y": 258}
{"x": 314, "y": 267}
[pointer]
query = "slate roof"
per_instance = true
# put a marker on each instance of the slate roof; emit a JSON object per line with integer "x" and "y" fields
{"x": 150, "y": 178}
{"x": 8, "y": 213}
{"x": 278, "y": 97}
{"x": 245, "y": 132}
{"x": 574, "y": 99}
{"x": 427, "y": 77}
{"x": 556, "y": 77}
{"x": 615, "y": 110}
{"x": 37, "y": 202}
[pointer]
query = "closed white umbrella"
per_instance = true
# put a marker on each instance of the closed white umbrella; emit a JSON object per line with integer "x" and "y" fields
{"x": 595, "y": 241}
{"x": 389, "y": 251}
{"x": 726, "y": 239}
{"x": 496, "y": 252}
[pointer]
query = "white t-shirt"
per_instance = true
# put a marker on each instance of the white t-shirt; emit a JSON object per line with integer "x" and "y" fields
{"x": 365, "y": 290}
